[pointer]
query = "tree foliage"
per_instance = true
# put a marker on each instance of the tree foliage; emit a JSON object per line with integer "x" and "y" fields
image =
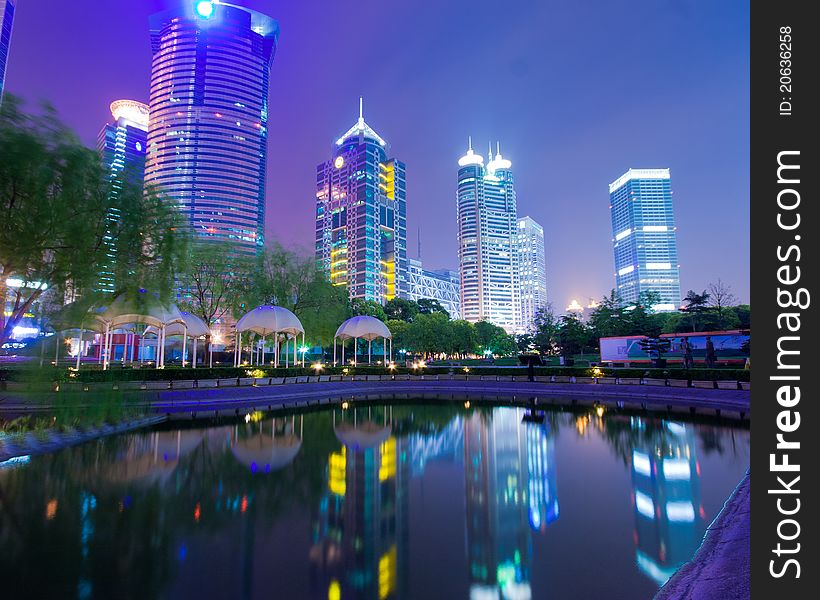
{"x": 59, "y": 219}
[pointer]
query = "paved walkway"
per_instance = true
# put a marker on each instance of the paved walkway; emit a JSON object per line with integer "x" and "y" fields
{"x": 731, "y": 403}
{"x": 720, "y": 569}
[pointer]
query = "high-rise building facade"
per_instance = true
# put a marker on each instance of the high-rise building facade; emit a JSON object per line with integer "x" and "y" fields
{"x": 208, "y": 135}
{"x": 122, "y": 148}
{"x": 7, "y": 8}
{"x": 361, "y": 216}
{"x": 443, "y": 285}
{"x": 487, "y": 226}
{"x": 644, "y": 237}
{"x": 532, "y": 271}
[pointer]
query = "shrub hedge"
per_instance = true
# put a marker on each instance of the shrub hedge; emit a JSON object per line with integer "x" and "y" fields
{"x": 178, "y": 373}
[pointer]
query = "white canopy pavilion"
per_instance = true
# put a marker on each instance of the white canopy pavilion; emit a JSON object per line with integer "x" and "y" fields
{"x": 269, "y": 320}
{"x": 146, "y": 308}
{"x": 367, "y": 328}
{"x": 191, "y": 325}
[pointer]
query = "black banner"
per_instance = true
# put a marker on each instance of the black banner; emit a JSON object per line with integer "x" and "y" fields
{"x": 785, "y": 51}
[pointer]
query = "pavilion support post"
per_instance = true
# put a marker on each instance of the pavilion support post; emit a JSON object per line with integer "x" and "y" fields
{"x": 303, "y": 345}
{"x": 369, "y": 350}
{"x": 104, "y": 349}
{"x": 79, "y": 349}
{"x": 342, "y": 342}
{"x": 57, "y": 348}
{"x": 193, "y": 363}
{"x": 184, "y": 346}
{"x": 334, "y": 351}
{"x": 355, "y": 349}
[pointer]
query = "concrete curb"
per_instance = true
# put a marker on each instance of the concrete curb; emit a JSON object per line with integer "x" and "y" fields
{"x": 720, "y": 569}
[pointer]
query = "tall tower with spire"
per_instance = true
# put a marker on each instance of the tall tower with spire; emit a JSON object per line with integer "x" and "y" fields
{"x": 487, "y": 225}
{"x": 361, "y": 216}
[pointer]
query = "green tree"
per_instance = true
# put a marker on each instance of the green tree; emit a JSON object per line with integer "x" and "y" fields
{"x": 368, "y": 308}
{"x": 214, "y": 281}
{"x": 286, "y": 278}
{"x": 574, "y": 337}
{"x": 546, "y": 330}
{"x": 609, "y": 317}
{"x": 430, "y": 334}
{"x": 398, "y": 329}
{"x": 59, "y": 219}
{"x": 697, "y": 305}
{"x": 463, "y": 337}
{"x": 401, "y": 309}
{"x": 429, "y": 305}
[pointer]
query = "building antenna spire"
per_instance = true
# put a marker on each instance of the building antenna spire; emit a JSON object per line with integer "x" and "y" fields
{"x": 361, "y": 109}
{"x": 469, "y": 143}
{"x": 419, "y": 238}
{"x": 498, "y": 148}
{"x": 490, "y": 149}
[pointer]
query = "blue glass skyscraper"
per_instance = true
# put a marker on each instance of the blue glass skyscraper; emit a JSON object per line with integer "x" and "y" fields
{"x": 208, "y": 136}
{"x": 361, "y": 216}
{"x": 122, "y": 148}
{"x": 644, "y": 237}
{"x": 6, "y": 19}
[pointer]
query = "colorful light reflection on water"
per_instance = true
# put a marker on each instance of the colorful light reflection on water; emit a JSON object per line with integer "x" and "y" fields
{"x": 370, "y": 503}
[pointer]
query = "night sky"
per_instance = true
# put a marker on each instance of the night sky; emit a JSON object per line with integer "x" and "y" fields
{"x": 576, "y": 92}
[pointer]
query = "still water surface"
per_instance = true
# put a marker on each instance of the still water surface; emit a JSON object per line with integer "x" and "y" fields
{"x": 418, "y": 502}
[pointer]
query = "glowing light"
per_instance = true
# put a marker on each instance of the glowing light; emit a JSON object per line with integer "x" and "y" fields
{"x": 574, "y": 306}
{"x": 334, "y": 591}
{"x": 318, "y": 366}
{"x": 51, "y": 509}
{"x": 645, "y": 505}
{"x": 197, "y": 512}
{"x": 626, "y": 270}
{"x": 680, "y": 512}
{"x": 655, "y": 228}
{"x": 339, "y": 162}
{"x": 131, "y": 110}
{"x": 599, "y": 410}
{"x": 658, "y": 266}
{"x": 640, "y": 463}
{"x": 623, "y": 234}
{"x": 676, "y": 469}
{"x": 337, "y": 469}
{"x": 205, "y": 9}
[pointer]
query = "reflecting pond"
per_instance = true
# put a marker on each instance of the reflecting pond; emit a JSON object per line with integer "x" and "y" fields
{"x": 417, "y": 501}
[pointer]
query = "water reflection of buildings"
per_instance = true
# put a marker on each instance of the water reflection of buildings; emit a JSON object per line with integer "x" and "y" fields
{"x": 360, "y": 529}
{"x": 509, "y": 470}
{"x": 666, "y": 497}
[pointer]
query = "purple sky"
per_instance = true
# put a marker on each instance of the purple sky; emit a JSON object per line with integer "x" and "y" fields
{"x": 576, "y": 91}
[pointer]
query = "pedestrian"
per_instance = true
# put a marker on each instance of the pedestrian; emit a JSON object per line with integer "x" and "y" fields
{"x": 688, "y": 361}
{"x": 711, "y": 357}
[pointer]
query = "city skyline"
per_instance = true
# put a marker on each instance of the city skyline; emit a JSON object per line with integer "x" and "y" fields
{"x": 565, "y": 152}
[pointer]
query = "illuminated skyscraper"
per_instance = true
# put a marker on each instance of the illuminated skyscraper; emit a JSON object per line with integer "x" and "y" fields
{"x": 644, "y": 237}
{"x": 208, "y": 136}
{"x": 122, "y": 148}
{"x": 487, "y": 227}
{"x": 6, "y": 19}
{"x": 532, "y": 271}
{"x": 361, "y": 216}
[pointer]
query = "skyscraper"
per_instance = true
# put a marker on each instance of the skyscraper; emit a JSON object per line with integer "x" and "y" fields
{"x": 361, "y": 216}
{"x": 532, "y": 271}
{"x": 487, "y": 227}
{"x": 122, "y": 148}
{"x": 6, "y": 20}
{"x": 208, "y": 135}
{"x": 644, "y": 237}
